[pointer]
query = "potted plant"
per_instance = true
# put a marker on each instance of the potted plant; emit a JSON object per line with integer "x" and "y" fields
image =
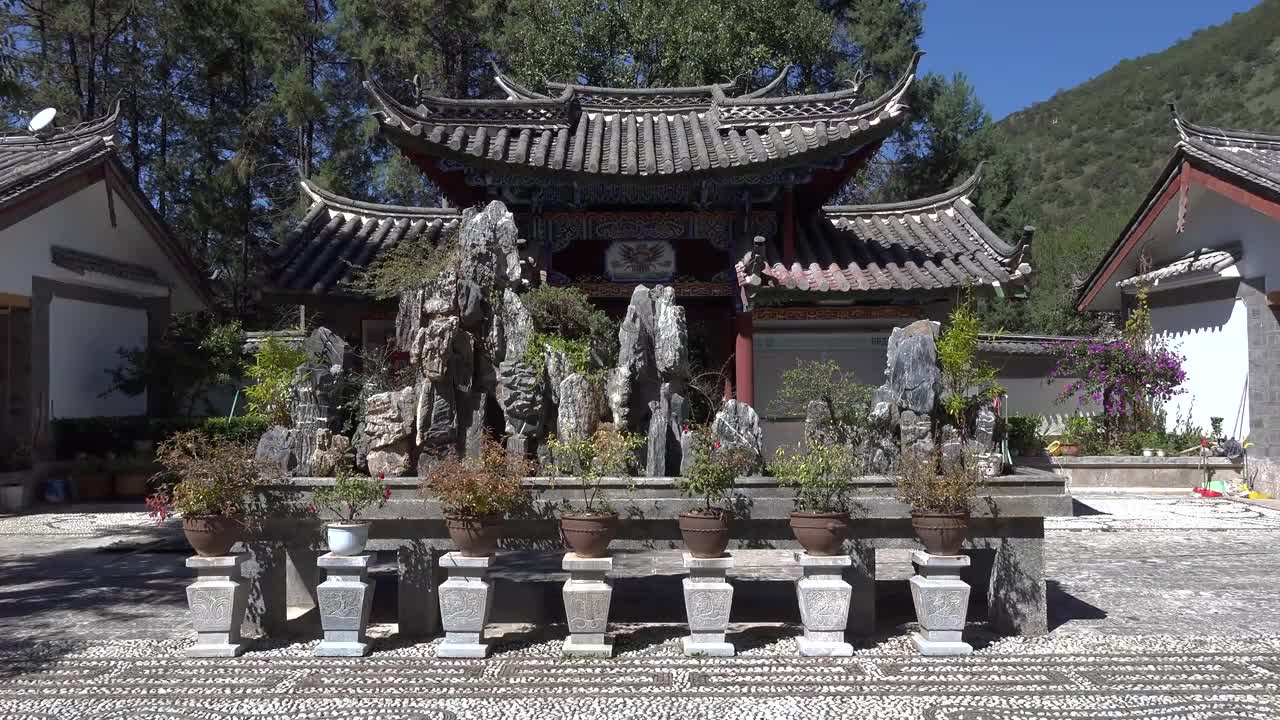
{"x": 715, "y": 466}
{"x": 131, "y": 476}
{"x": 90, "y": 478}
{"x": 211, "y": 482}
{"x": 1074, "y": 433}
{"x": 608, "y": 452}
{"x": 941, "y": 495}
{"x": 475, "y": 493}
{"x": 820, "y": 474}
{"x": 1023, "y": 432}
{"x": 15, "y": 469}
{"x": 347, "y": 497}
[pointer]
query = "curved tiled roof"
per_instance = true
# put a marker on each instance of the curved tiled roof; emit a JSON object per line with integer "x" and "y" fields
{"x": 636, "y": 134}
{"x": 924, "y": 245}
{"x": 28, "y": 161}
{"x": 322, "y": 251}
{"x": 1253, "y": 156}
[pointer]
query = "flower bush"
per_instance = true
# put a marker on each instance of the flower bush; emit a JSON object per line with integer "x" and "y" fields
{"x": 606, "y": 453}
{"x": 206, "y": 476}
{"x": 350, "y": 495}
{"x": 820, "y": 474}
{"x": 714, "y": 468}
{"x": 928, "y": 484}
{"x": 1130, "y": 378}
{"x": 477, "y": 486}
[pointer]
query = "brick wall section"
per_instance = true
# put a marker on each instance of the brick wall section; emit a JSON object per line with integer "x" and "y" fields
{"x": 1264, "y": 370}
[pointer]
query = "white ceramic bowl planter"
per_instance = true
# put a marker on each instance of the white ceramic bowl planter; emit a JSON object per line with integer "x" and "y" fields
{"x": 347, "y": 538}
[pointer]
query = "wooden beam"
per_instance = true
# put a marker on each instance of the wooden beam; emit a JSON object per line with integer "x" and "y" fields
{"x": 1234, "y": 192}
{"x": 9, "y": 300}
{"x": 849, "y": 312}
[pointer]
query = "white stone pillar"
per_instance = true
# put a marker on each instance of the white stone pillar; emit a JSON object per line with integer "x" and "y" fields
{"x": 217, "y": 599}
{"x": 824, "y": 604}
{"x": 345, "y": 598}
{"x": 587, "y": 594}
{"x": 708, "y": 599}
{"x": 465, "y": 599}
{"x": 942, "y": 602}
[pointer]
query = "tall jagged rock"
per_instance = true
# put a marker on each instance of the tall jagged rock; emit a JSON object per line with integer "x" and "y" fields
{"x": 633, "y": 384}
{"x": 387, "y": 431}
{"x": 738, "y": 425}
{"x": 579, "y": 413}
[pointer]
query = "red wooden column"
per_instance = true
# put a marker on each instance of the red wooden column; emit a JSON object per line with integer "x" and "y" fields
{"x": 744, "y": 359}
{"x": 788, "y": 227}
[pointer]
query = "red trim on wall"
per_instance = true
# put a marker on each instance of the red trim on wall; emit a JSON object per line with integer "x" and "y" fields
{"x": 1131, "y": 241}
{"x": 850, "y": 312}
{"x": 1234, "y": 192}
{"x": 452, "y": 184}
{"x": 744, "y": 359}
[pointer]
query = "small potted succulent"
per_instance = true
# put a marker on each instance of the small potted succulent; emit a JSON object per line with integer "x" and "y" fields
{"x": 346, "y": 498}
{"x": 210, "y": 483}
{"x": 475, "y": 494}
{"x": 710, "y": 477}
{"x": 588, "y": 530}
{"x": 941, "y": 494}
{"x": 820, "y": 474}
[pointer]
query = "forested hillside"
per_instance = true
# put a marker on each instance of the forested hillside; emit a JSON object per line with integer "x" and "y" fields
{"x": 1085, "y": 158}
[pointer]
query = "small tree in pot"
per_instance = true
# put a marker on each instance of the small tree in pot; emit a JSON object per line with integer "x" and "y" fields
{"x": 941, "y": 493}
{"x": 210, "y": 484}
{"x": 606, "y": 453}
{"x": 475, "y": 494}
{"x": 710, "y": 477}
{"x": 820, "y": 474}
{"x": 348, "y": 497}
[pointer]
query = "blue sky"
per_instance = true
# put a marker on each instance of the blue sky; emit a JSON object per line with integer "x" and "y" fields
{"x": 1017, "y": 52}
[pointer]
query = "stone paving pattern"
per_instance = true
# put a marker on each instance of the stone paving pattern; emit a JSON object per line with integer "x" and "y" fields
{"x": 1161, "y": 607}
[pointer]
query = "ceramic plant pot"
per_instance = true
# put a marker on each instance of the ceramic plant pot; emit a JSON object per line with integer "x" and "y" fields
{"x": 589, "y": 536}
{"x": 211, "y": 535}
{"x": 347, "y": 539}
{"x": 131, "y": 483}
{"x": 474, "y": 536}
{"x": 706, "y": 534}
{"x": 93, "y": 486}
{"x": 941, "y": 533}
{"x": 820, "y": 533}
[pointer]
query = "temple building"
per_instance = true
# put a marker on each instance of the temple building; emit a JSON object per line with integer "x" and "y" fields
{"x": 614, "y": 187}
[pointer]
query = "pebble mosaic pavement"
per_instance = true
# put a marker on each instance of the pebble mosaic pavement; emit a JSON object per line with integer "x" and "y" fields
{"x": 1162, "y": 609}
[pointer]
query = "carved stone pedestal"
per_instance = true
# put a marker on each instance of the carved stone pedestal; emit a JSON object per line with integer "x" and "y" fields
{"x": 217, "y": 599}
{"x": 465, "y": 599}
{"x": 707, "y": 601}
{"x": 824, "y": 605}
{"x": 346, "y": 597}
{"x": 942, "y": 601}
{"x": 587, "y": 594}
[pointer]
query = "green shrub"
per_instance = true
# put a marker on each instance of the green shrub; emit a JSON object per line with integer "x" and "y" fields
{"x": 713, "y": 470}
{"x": 966, "y": 381}
{"x": 820, "y": 474}
{"x": 927, "y": 484}
{"x": 213, "y": 477}
{"x": 102, "y": 436}
{"x": 1024, "y": 433}
{"x": 272, "y": 371}
{"x": 350, "y": 495}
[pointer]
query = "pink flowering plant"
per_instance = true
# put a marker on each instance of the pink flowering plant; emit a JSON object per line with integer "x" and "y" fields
{"x": 1130, "y": 378}
{"x": 350, "y": 495}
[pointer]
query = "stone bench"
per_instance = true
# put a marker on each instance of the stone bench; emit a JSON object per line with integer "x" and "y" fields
{"x": 1006, "y": 541}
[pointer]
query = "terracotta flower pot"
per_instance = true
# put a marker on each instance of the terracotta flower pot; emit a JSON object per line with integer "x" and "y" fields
{"x": 1069, "y": 449}
{"x": 131, "y": 483}
{"x": 820, "y": 533}
{"x": 211, "y": 535}
{"x": 93, "y": 486}
{"x": 706, "y": 534}
{"x": 941, "y": 533}
{"x": 474, "y": 536}
{"x": 589, "y": 536}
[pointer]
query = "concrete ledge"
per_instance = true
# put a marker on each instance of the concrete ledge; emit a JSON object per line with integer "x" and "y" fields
{"x": 1126, "y": 471}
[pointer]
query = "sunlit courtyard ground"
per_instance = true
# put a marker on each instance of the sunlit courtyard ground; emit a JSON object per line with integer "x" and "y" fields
{"x": 1159, "y": 607}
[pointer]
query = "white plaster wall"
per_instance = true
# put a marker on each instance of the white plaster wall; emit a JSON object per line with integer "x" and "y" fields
{"x": 84, "y": 339}
{"x": 1213, "y": 336}
{"x": 81, "y": 221}
{"x": 1039, "y": 396}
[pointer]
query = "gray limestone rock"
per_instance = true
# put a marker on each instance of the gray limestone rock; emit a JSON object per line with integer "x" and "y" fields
{"x": 952, "y": 446}
{"x": 331, "y": 451}
{"x": 666, "y": 424}
{"x": 671, "y": 336}
{"x": 387, "y": 431}
{"x": 984, "y": 431}
{"x": 437, "y": 414}
{"x": 471, "y": 423}
{"x": 914, "y": 376}
{"x": 737, "y": 424}
{"x": 578, "y": 408}
{"x": 276, "y": 449}
{"x": 325, "y": 348}
{"x": 633, "y": 384}
{"x": 432, "y": 347}
{"x": 487, "y": 248}
{"x": 462, "y": 361}
{"x": 517, "y": 326}
{"x": 520, "y": 396}
{"x": 471, "y": 305}
{"x": 916, "y": 432}
{"x": 556, "y": 365}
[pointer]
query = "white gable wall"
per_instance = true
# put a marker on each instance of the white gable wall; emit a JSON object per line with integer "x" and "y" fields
{"x": 81, "y": 221}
